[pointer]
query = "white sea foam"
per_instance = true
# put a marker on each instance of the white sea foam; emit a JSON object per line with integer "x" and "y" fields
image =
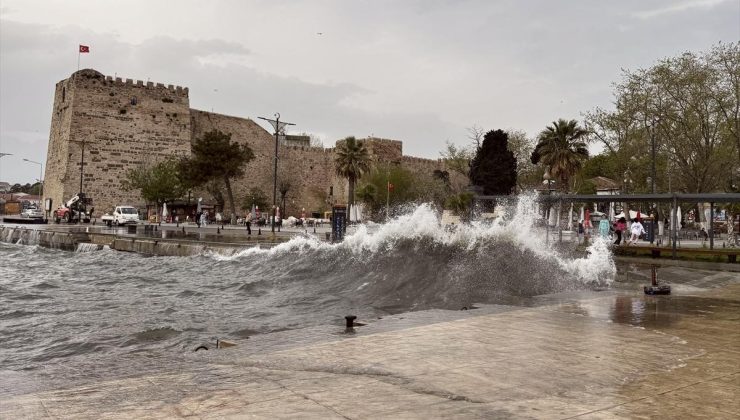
{"x": 516, "y": 226}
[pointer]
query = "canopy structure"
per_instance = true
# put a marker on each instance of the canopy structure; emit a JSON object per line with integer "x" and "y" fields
{"x": 550, "y": 197}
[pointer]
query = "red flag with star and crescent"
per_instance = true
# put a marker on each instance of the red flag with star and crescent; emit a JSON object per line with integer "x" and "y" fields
{"x": 84, "y": 48}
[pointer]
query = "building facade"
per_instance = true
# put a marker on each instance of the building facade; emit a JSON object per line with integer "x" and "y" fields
{"x": 101, "y": 127}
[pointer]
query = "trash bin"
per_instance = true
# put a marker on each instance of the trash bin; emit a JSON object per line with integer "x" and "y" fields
{"x": 132, "y": 229}
{"x": 649, "y": 230}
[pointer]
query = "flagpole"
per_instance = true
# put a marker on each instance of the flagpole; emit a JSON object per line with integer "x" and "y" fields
{"x": 78, "y": 58}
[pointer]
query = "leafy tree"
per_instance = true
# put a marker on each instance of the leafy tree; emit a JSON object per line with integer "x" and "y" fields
{"x": 35, "y": 189}
{"x": 367, "y": 193}
{"x": 527, "y": 174}
{"x": 494, "y": 165}
{"x": 690, "y": 106}
{"x": 457, "y": 158}
{"x": 460, "y": 203}
{"x": 408, "y": 187}
{"x": 352, "y": 161}
{"x": 157, "y": 183}
{"x": 216, "y": 157}
{"x": 561, "y": 147}
{"x": 255, "y": 197}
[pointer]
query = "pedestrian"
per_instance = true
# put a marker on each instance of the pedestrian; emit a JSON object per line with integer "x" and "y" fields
{"x": 249, "y": 227}
{"x": 198, "y": 218}
{"x": 619, "y": 227}
{"x": 637, "y": 230}
{"x": 604, "y": 228}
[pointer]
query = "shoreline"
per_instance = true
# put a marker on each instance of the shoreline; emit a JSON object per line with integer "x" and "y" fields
{"x": 613, "y": 354}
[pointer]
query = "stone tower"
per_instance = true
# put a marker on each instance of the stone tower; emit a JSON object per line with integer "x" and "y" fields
{"x": 120, "y": 124}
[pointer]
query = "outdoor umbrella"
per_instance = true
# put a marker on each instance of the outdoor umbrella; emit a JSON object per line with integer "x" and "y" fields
{"x": 253, "y": 214}
{"x": 199, "y": 207}
{"x": 587, "y": 219}
{"x": 570, "y": 217}
{"x": 678, "y": 218}
{"x": 581, "y": 218}
{"x": 551, "y": 221}
{"x": 164, "y": 211}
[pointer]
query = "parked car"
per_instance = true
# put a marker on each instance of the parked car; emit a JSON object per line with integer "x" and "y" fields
{"x": 121, "y": 216}
{"x": 33, "y": 213}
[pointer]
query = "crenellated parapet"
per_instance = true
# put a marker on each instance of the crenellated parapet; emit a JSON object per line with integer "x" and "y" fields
{"x": 89, "y": 74}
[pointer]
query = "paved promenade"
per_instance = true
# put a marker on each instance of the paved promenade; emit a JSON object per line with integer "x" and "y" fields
{"x": 615, "y": 354}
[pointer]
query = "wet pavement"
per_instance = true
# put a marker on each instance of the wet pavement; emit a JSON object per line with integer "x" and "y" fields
{"x": 608, "y": 354}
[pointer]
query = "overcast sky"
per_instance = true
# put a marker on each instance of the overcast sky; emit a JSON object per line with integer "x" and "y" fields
{"x": 417, "y": 71}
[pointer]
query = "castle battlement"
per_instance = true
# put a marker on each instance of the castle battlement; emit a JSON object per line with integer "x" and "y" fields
{"x": 114, "y": 80}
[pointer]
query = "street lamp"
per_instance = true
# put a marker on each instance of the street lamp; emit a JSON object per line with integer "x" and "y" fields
{"x": 41, "y": 172}
{"x": 548, "y": 179}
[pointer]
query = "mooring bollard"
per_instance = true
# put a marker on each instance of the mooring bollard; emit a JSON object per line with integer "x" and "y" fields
{"x": 654, "y": 276}
{"x": 350, "y": 323}
{"x": 259, "y": 231}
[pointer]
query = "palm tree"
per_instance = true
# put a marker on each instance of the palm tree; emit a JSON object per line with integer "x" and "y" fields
{"x": 352, "y": 161}
{"x": 562, "y": 147}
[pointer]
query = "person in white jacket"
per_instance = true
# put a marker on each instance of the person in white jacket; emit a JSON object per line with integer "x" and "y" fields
{"x": 636, "y": 229}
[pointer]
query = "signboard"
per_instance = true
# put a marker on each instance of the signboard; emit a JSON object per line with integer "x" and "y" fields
{"x": 338, "y": 223}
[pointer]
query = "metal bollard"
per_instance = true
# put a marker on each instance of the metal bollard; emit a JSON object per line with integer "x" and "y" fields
{"x": 350, "y": 323}
{"x": 654, "y": 276}
{"x": 218, "y": 231}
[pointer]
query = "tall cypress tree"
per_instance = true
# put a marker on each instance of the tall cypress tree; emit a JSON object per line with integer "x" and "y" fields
{"x": 494, "y": 166}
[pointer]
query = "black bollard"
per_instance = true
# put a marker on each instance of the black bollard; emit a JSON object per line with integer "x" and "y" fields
{"x": 183, "y": 229}
{"x": 218, "y": 231}
{"x": 350, "y": 323}
{"x": 259, "y": 231}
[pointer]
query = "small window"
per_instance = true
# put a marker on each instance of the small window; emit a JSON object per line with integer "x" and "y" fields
{"x": 331, "y": 190}
{"x": 134, "y": 101}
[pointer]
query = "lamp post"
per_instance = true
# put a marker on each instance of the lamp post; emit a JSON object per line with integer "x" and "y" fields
{"x": 548, "y": 179}
{"x": 653, "y": 178}
{"x": 41, "y": 172}
{"x": 627, "y": 183}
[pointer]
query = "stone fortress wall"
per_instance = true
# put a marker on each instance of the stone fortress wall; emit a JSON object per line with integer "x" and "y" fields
{"x": 126, "y": 123}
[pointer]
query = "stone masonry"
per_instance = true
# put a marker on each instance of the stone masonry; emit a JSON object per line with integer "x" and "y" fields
{"x": 122, "y": 124}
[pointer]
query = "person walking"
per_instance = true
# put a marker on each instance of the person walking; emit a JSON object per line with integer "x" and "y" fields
{"x": 619, "y": 227}
{"x": 637, "y": 230}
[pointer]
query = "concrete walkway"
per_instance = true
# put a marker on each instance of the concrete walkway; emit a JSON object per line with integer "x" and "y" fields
{"x": 610, "y": 355}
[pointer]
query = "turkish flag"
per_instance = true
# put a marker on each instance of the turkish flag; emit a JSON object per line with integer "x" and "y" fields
{"x": 84, "y": 48}
{"x": 390, "y": 187}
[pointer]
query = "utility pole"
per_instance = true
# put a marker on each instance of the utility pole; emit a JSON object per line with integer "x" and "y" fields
{"x": 655, "y": 121}
{"x": 279, "y": 129}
